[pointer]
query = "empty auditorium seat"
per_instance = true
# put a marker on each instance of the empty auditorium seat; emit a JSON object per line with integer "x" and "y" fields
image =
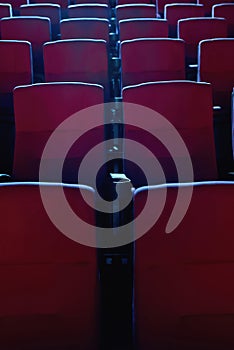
{"x": 209, "y": 3}
{"x": 142, "y": 28}
{"x": 15, "y": 5}
{"x": 215, "y": 65}
{"x": 152, "y": 59}
{"x": 187, "y": 106}
{"x": 49, "y": 292}
{"x": 62, "y": 3}
{"x": 160, "y": 4}
{"x": 175, "y": 12}
{"x": 193, "y": 30}
{"x": 85, "y": 28}
{"x": 36, "y": 30}
{"x": 15, "y": 69}
{"x": 88, "y": 10}
{"x": 135, "y": 11}
{"x": 77, "y": 60}
{"x": 39, "y": 110}
{"x": 183, "y": 279}
{"x": 53, "y": 11}
{"x": 5, "y": 10}
{"x": 226, "y": 11}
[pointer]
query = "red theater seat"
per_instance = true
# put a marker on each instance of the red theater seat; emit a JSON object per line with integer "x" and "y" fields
{"x": 187, "y": 106}
{"x": 143, "y": 28}
{"x": 183, "y": 279}
{"x": 62, "y": 3}
{"x": 77, "y": 60}
{"x": 15, "y": 5}
{"x": 5, "y": 10}
{"x": 39, "y": 110}
{"x": 193, "y": 30}
{"x": 135, "y": 11}
{"x": 152, "y": 59}
{"x": 215, "y": 65}
{"x": 15, "y": 69}
{"x": 49, "y": 283}
{"x": 209, "y": 3}
{"x": 36, "y": 30}
{"x": 161, "y": 5}
{"x": 85, "y": 28}
{"x": 175, "y": 12}
{"x": 226, "y": 11}
{"x": 53, "y": 11}
{"x": 88, "y": 11}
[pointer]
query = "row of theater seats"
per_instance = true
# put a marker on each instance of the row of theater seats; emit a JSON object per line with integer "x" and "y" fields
{"x": 159, "y": 4}
{"x": 60, "y": 294}
{"x": 52, "y": 103}
{"x": 87, "y": 60}
{"x": 172, "y": 13}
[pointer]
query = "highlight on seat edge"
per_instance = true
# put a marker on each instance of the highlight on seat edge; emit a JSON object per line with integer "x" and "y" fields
{"x": 116, "y": 175}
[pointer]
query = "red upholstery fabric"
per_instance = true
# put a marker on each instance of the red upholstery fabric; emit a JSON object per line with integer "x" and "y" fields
{"x": 135, "y": 11}
{"x": 161, "y": 4}
{"x": 85, "y": 28}
{"x": 143, "y": 28}
{"x": 77, "y": 60}
{"x": 175, "y": 12}
{"x": 36, "y": 30}
{"x": 5, "y": 10}
{"x": 53, "y": 11}
{"x": 215, "y": 65}
{"x": 209, "y": 3}
{"x": 188, "y": 106}
{"x": 15, "y": 69}
{"x": 225, "y": 11}
{"x": 39, "y": 110}
{"x": 183, "y": 280}
{"x": 62, "y": 3}
{"x": 152, "y": 59}
{"x": 193, "y": 30}
{"x": 88, "y": 10}
{"x": 15, "y": 4}
{"x": 15, "y": 64}
{"x": 49, "y": 290}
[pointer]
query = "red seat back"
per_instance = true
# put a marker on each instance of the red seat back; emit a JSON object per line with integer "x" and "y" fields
{"x": 175, "y": 12}
{"x": 88, "y": 11}
{"x": 188, "y": 107}
{"x": 39, "y": 110}
{"x": 142, "y": 28}
{"x": 49, "y": 293}
{"x": 151, "y": 60}
{"x": 135, "y": 11}
{"x": 225, "y": 11}
{"x": 83, "y": 60}
{"x": 52, "y": 11}
{"x": 183, "y": 280}
{"x": 215, "y": 65}
{"x": 193, "y": 30}
{"x": 85, "y": 28}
